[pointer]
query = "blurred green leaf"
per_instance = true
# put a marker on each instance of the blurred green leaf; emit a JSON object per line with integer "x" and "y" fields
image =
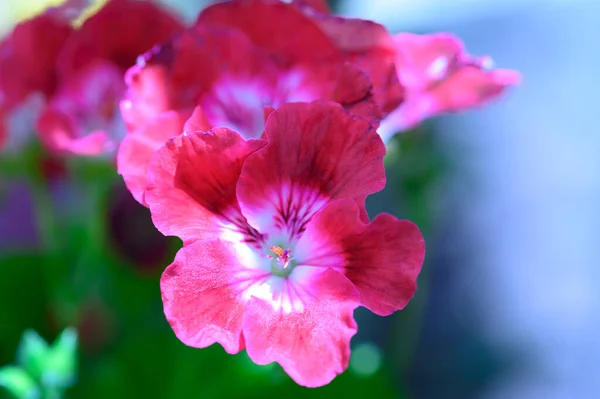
{"x": 32, "y": 353}
{"x": 60, "y": 363}
{"x": 18, "y": 382}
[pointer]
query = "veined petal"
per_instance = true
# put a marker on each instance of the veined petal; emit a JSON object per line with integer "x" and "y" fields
{"x": 317, "y": 152}
{"x": 370, "y": 47}
{"x": 382, "y": 259}
{"x": 137, "y": 148}
{"x": 312, "y": 345}
{"x": 199, "y": 299}
{"x": 192, "y": 180}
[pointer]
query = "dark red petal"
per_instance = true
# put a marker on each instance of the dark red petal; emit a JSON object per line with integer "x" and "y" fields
{"x": 315, "y": 148}
{"x": 371, "y": 48}
{"x": 28, "y": 57}
{"x": 199, "y": 300}
{"x": 282, "y": 29}
{"x": 383, "y": 258}
{"x": 343, "y": 83}
{"x": 119, "y": 32}
{"x": 312, "y": 346}
{"x": 192, "y": 181}
{"x": 137, "y": 148}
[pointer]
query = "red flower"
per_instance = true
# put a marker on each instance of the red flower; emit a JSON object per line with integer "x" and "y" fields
{"x": 302, "y": 32}
{"x": 413, "y": 76}
{"x": 27, "y": 66}
{"x": 276, "y": 256}
{"x": 439, "y": 76}
{"x": 83, "y": 117}
{"x": 236, "y": 84}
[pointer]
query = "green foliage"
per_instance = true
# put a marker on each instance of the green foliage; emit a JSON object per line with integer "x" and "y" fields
{"x": 42, "y": 370}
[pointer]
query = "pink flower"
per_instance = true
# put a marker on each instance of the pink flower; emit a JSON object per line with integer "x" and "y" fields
{"x": 82, "y": 117}
{"x": 276, "y": 256}
{"x": 236, "y": 85}
{"x": 439, "y": 76}
{"x": 302, "y": 31}
{"x": 414, "y": 77}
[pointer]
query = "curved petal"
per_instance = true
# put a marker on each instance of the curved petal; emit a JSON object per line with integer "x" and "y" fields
{"x": 119, "y": 32}
{"x": 317, "y": 151}
{"x": 312, "y": 345}
{"x": 422, "y": 60}
{"x": 137, "y": 148}
{"x": 370, "y": 47}
{"x": 59, "y": 133}
{"x": 472, "y": 87}
{"x": 196, "y": 67}
{"x": 191, "y": 183}
{"x": 85, "y": 104}
{"x": 199, "y": 299}
{"x": 382, "y": 259}
{"x": 265, "y": 23}
{"x": 341, "y": 82}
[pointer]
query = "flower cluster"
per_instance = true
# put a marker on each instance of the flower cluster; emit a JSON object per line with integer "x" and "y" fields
{"x": 254, "y": 135}
{"x": 67, "y": 82}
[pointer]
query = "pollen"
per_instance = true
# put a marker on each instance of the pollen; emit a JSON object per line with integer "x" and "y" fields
{"x": 277, "y": 250}
{"x": 284, "y": 256}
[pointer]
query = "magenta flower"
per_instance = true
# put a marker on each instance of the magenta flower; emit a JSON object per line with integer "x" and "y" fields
{"x": 276, "y": 255}
{"x": 439, "y": 76}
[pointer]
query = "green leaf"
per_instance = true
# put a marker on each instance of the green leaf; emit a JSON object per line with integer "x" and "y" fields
{"x": 60, "y": 364}
{"x": 32, "y": 354}
{"x": 18, "y": 382}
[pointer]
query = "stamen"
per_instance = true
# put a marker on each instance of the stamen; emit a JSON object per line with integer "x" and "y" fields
{"x": 283, "y": 256}
{"x": 277, "y": 250}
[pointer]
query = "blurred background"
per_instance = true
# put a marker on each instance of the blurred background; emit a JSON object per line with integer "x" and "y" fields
{"x": 507, "y": 197}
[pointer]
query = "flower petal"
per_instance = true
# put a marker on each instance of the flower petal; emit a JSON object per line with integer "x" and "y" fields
{"x": 57, "y": 131}
{"x": 86, "y": 103}
{"x": 383, "y": 258}
{"x": 199, "y": 300}
{"x": 265, "y": 23}
{"x": 370, "y": 47}
{"x": 421, "y": 60}
{"x": 472, "y": 87}
{"x": 192, "y": 180}
{"x": 313, "y": 345}
{"x": 316, "y": 5}
{"x": 190, "y": 69}
{"x": 317, "y": 151}
{"x": 28, "y": 57}
{"x": 118, "y": 32}
{"x": 137, "y": 148}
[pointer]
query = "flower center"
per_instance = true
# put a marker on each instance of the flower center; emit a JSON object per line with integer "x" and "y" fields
{"x": 282, "y": 262}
